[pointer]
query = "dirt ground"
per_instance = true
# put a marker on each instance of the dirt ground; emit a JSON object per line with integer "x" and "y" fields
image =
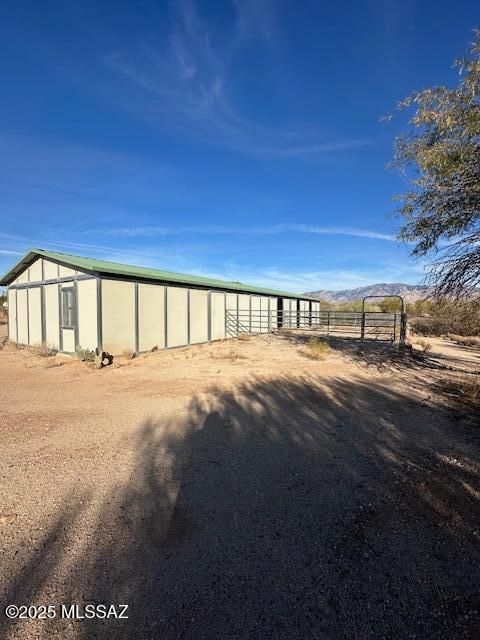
{"x": 243, "y": 490}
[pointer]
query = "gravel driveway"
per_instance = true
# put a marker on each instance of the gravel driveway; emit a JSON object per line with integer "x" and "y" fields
{"x": 240, "y": 490}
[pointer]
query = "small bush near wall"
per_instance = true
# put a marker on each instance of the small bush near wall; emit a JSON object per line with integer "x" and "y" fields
{"x": 42, "y": 350}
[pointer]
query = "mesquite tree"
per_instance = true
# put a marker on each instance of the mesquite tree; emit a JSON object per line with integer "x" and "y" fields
{"x": 441, "y": 158}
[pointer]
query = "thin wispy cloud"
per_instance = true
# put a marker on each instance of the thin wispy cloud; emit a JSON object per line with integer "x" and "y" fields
{"x": 301, "y": 281}
{"x": 7, "y": 252}
{"x": 152, "y": 231}
{"x": 187, "y": 78}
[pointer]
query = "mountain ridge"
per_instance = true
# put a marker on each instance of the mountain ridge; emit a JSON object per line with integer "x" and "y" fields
{"x": 409, "y": 292}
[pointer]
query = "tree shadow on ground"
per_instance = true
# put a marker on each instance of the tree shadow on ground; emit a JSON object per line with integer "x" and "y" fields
{"x": 386, "y": 356}
{"x": 288, "y": 509}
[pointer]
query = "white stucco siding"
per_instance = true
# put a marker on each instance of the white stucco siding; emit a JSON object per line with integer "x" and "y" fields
{"x": 264, "y": 316}
{"x": 87, "y": 314}
{"x": 65, "y": 272}
{"x": 151, "y": 316}
{"x": 68, "y": 340}
{"x": 52, "y": 324}
{"x": 273, "y": 313}
{"x": 198, "y": 316}
{"x": 35, "y": 271}
{"x": 22, "y": 316}
{"x": 304, "y": 316}
{"x": 218, "y": 315}
{"x": 23, "y": 277}
{"x": 12, "y": 314}
{"x": 177, "y": 316}
{"x": 50, "y": 270}
{"x": 243, "y": 312}
{"x": 118, "y": 316}
{"x": 34, "y": 316}
{"x": 255, "y": 313}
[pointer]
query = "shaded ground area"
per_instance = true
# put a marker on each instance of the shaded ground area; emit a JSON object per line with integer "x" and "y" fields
{"x": 244, "y": 491}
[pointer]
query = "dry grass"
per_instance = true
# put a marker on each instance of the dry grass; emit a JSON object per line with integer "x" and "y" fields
{"x": 11, "y": 346}
{"x": 317, "y": 349}
{"x": 244, "y": 336}
{"x": 466, "y": 393}
{"x": 466, "y": 341}
{"x": 42, "y": 350}
{"x": 424, "y": 345}
{"x": 128, "y": 354}
{"x": 231, "y": 356}
{"x": 471, "y": 390}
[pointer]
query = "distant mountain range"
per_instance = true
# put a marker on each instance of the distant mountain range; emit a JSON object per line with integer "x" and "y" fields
{"x": 409, "y": 292}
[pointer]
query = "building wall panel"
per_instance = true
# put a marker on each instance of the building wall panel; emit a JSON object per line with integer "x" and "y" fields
{"x": 35, "y": 271}
{"x": 22, "y": 317}
{"x": 218, "y": 315}
{"x": 198, "y": 316}
{"x": 231, "y": 301}
{"x": 244, "y": 312}
{"x": 118, "y": 316}
{"x": 151, "y": 316}
{"x": 68, "y": 340}
{"x": 87, "y": 313}
{"x": 52, "y": 324}
{"x": 50, "y": 269}
{"x": 255, "y": 314}
{"x": 65, "y": 272}
{"x": 177, "y": 316}
{"x": 12, "y": 314}
{"x": 264, "y": 314}
{"x": 273, "y": 313}
{"x": 303, "y": 313}
{"x": 23, "y": 277}
{"x": 243, "y": 302}
{"x": 34, "y": 316}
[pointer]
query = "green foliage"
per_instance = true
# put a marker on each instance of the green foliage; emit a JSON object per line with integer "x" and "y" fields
{"x": 430, "y": 318}
{"x": 441, "y": 157}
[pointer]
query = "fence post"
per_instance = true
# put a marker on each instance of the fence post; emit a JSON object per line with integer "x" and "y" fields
{"x": 328, "y": 323}
{"x": 403, "y": 330}
{"x": 362, "y": 330}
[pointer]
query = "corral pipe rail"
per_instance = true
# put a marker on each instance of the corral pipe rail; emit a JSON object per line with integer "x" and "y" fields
{"x": 367, "y": 324}
{"x": 403, "y": 319}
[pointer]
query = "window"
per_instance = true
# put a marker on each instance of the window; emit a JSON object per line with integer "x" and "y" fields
{"x": 68, "y": 310}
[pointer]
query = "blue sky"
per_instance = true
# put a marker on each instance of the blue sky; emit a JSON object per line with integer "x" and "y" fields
{"x": 237, "y": 138}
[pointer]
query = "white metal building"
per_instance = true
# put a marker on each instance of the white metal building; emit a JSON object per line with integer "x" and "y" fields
{"x": 70, "y": 302}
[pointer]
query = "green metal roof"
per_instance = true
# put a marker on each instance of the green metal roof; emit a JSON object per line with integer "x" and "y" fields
{"x": 103, "y": 267}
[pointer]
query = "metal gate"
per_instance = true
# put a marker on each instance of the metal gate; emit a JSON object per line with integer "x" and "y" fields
{"x": 364, "y": 325}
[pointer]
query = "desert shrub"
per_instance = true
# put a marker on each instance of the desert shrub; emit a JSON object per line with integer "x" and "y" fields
{"x": 42, "y": 350}
{"x": 461, "y": 318}
{"x": 85, "y": 355}
{"x": 424, "y": 345}
{"x": 467, "y": 341}
{"x": 10, "y": 345}
{"x": 466, "y": 393}
{"x": 317, "y": 349}
{"x": 128, "y": 354}
{"x": 430, "y": 326}
{"x": 244, "y": 336}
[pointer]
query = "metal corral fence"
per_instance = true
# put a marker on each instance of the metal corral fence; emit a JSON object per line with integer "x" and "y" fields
{"x": 373, "y": 325}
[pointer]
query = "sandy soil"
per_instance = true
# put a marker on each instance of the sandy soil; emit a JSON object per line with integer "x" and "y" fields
{"x": 243, "y": 490}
